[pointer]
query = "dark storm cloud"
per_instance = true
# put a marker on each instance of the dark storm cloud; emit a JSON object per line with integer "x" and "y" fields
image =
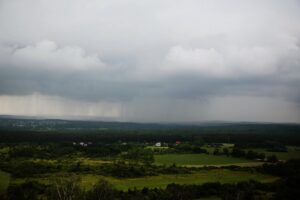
{"x": 153, "y": 60}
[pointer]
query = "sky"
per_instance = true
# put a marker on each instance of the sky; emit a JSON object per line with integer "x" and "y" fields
{"x": 151, "y": 60}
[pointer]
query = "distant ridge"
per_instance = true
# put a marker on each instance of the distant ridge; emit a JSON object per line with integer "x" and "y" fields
{"x": 113, "y": 121}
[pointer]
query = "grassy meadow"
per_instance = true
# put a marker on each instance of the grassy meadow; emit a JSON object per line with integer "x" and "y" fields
{"x": 161, "y": 181}
{"x": 199, "y": 160}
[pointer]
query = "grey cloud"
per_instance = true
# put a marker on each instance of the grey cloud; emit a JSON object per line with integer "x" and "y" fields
{"x": 154, "y": 59}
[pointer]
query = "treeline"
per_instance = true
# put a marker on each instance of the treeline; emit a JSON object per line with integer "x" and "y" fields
{"x": 51, "y": 150}
{"x": 189, "y": 148}
{"x": 248, "y": 154}
{"x": 272, "y": 146}
{"x": 133, "y": 170}
{"x": 118, "y": 169}
{"x": 244, "y": 135}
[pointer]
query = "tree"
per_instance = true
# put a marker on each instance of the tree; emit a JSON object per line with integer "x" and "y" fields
{"x": 273, "y": 158}
{"x": 140, "y": 154}
{"x": 236, "y": 152}
{"x": 216, "y": 151}
{"x": 66, "y": 189}
{"x": 28, "y": 190}
{"x": 251, "y": 155}
{"x": 226, "y": 151}
{"x": 198, "y": 140}
{"x": 102, "y": 190}
{"x": 261, "y": 156}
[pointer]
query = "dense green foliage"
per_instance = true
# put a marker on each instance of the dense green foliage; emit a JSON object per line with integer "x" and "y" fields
{"x": 271, "y": 136}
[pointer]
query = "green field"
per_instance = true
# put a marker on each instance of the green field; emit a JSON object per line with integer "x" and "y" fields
{"x": 161, "y": 181}
{"x": 221, "y": 175}
{"x": 4, "y": 180}
{"x": 199, "y": 160}
{"x": 293, "y": 153}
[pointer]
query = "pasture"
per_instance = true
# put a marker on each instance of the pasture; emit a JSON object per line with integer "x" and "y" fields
{"x": 199, "y": 160}
{"x": 161, "y": 181}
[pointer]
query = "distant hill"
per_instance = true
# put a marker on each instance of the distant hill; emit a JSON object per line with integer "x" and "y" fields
{"x": 40, "y": 123}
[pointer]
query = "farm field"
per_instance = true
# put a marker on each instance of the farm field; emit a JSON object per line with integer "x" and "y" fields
{"x": 199, "y": 160}
{"x": 223, "y": 176}
{"x": 161, "y": 181}
{"x": 4, "y": 180}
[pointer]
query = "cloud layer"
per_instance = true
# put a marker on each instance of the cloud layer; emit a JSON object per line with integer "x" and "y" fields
{"x": 152, "y": 60}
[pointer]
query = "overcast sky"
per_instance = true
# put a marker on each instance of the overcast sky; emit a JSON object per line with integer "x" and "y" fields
{"x": 151, "y": 60}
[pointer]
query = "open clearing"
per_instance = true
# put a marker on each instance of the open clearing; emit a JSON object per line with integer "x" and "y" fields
{"x": 161, "y": 181}
{"x": 4, "y": 180}
{"x": 221, "y": 175}
{"x": 200, "y": 160}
